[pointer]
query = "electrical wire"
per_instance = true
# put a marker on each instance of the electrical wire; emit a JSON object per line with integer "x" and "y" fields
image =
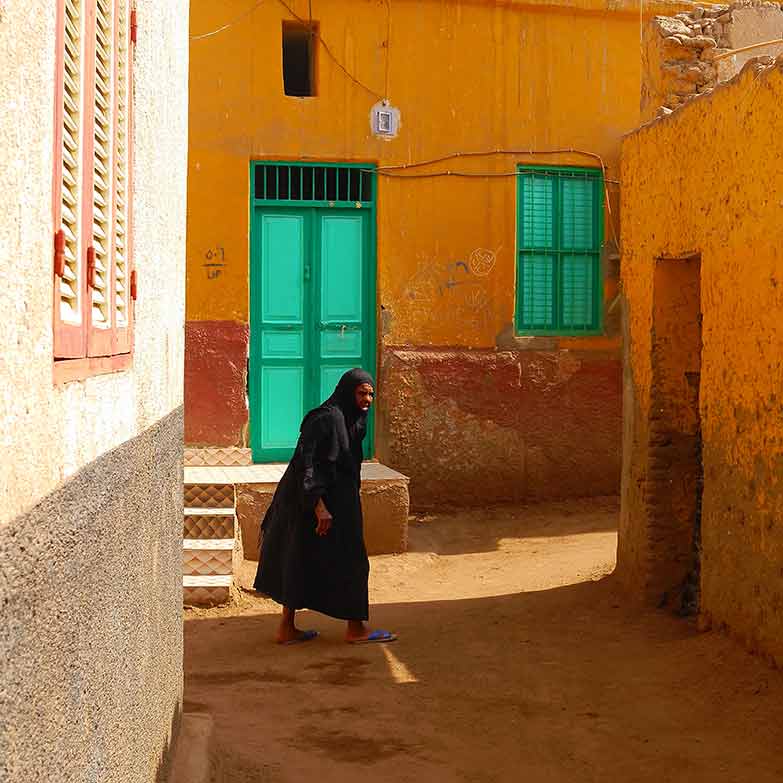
{"x": 315, "y": 34}
{"x": 497, "y": 151}
{"x": 496, "y": 175}
{"x": 732, "y": 52}
{"x": 388, "y": 46}
{"x": 395, "y": 171}
{"x": 228, "y": 24}
{"x": 331, "y": 54}
{"x": 466, "y": 175}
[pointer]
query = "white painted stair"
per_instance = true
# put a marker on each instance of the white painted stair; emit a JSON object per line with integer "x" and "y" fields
{"x": 209, "y": 534}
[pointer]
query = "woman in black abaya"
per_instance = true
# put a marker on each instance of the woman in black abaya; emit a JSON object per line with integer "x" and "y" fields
{"x": 312, "y": 549}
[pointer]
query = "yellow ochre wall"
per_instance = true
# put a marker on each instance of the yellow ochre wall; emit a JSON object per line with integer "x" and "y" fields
{"x": 708, "y": 180}
{"x": 467, "y": 76}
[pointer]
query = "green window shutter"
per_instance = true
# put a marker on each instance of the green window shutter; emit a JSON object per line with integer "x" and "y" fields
{"x": 577, "y": 292}
{"x": 538, "y": 212}
{"x": 576, "y": 214}
{"x": 560, "y": 235}
{"x": 537, "y": 289}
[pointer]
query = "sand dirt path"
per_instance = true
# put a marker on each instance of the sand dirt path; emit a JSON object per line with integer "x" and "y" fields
{"x": 518, "y": 660}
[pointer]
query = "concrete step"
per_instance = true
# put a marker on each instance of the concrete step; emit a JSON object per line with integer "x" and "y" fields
{"x": 209, "y": 523}
{"x": 209, "y": 534}
{"x": 206, "y": 590}
{"x": 209, "y": 494}
{"x": 217, "y": 456}
{"x": 224, "y": 507}
{"x": 207, "y": 557}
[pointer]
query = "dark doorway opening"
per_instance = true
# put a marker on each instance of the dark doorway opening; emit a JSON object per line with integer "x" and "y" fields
{"x": 675, "y": 442}
{"x": 299, "y": 58}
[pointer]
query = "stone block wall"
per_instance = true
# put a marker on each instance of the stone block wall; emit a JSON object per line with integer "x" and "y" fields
{"x": 686, "y": 55}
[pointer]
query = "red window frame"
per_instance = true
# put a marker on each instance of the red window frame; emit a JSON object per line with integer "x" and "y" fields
{"x": 123, "y": 335}
{"x": 84, "y": 349}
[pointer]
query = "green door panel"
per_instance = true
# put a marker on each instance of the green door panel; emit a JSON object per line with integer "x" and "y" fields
{"x": 337, "y": 344}
{"x": 341, "y": 244}
{"x": 279, "y": 322}
{"x": 282, "y": 345}
{"x": 280, "y": 421}
{"x": 341, "y": 268}
{"x": 282, "y": 268}
{"x": 312, "y": 313}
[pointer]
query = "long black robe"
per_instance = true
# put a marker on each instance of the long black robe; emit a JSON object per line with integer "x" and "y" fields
{"x": 298, "y": 568}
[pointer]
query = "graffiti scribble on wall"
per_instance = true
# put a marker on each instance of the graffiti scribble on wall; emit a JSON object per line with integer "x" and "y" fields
{"x": 454, "y": 292}
{"x": 482, "y": 261}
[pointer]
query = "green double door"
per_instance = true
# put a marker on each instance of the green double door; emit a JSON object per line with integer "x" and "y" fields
{"x": 312, "y": 316}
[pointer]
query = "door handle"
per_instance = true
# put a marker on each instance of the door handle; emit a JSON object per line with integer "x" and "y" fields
{"x": 307, "y": 272}
{"x": 343, "y": 328}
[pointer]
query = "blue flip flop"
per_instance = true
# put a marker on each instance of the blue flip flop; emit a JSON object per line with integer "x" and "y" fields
{"x": 375, "y": 637}
{"x": 305, "y": 636}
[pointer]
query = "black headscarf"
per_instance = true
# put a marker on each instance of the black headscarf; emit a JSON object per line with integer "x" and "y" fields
{"x": 344, "y": 399}
{"x": 350, "y": 419}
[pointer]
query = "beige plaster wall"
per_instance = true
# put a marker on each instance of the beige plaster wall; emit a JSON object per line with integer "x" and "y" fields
{"x": 91, "y": 476}
{"x": 51, "y": 431}
{"x": 754, "y": 24}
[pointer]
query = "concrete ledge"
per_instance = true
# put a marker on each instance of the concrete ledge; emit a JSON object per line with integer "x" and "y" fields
{"x": 216, "y": 480}
{"x": 385, "y": 501}
{"x": 386, "y": 507}
{"x": 196, "y": 758}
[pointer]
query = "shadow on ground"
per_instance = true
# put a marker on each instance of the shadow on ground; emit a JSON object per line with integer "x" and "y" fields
{"x": 546, "y": 682}
{"x": 484, "y": 530}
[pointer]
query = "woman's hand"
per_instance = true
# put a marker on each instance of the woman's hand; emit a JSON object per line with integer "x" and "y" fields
{"x": 324, "y": 519}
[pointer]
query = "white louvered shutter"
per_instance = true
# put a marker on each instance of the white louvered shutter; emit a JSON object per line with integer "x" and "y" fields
{"x": 122, "y": 274}
{"x": 102, "y": 178}
{"x": 70, "y": 292}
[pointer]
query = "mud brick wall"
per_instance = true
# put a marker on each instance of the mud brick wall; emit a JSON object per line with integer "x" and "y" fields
{"x": 704, "y": 182}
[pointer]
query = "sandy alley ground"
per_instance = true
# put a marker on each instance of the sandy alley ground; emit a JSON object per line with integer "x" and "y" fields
{"x": 518, "y": 660}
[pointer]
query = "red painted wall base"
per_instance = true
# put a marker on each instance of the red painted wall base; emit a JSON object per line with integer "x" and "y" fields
{"x": 216, "y": 383}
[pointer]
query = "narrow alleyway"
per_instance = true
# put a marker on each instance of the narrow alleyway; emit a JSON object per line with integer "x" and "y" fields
{"x": 518, "y": 660}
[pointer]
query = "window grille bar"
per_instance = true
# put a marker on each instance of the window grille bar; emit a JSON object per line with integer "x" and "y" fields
{"x": 332, "y": 184}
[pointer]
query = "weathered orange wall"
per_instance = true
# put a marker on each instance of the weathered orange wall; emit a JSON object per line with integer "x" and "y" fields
{"x": 466, "y": 76}
{"x": 708, "y": 179}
